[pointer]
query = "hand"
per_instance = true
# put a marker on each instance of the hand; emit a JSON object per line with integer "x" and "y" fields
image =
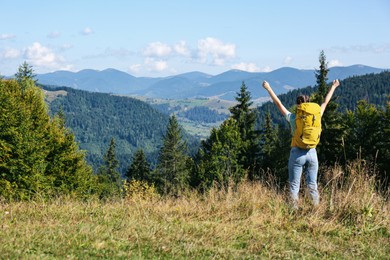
{"x": 266, "y": 85}
{"x": 336, "y": 83}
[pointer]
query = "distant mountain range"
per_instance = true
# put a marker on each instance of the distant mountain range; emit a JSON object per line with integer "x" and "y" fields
{"x": 195, "y": 84}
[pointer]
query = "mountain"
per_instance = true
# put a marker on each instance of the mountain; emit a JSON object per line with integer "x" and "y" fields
{"x": 179, "y": 88}
{"x": 355, "y": 70}
{"x": 195, "y": 84}
{"x": 195, "y": 76}
{"x": 106, "y": 81}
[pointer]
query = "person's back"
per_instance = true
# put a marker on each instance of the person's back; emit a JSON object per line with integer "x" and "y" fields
{"x": 305, "y": 130}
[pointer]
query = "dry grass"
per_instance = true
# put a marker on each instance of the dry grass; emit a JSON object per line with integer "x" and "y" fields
{"x": 250, "y": 222}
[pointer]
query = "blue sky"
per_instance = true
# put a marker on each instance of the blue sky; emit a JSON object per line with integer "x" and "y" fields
{"x": 161, "y": 38}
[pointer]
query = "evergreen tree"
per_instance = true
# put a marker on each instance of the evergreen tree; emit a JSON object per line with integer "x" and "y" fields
{"x": 281, "y": 154}
{"x": 108, "y": 177}
{"x": 384, "y": 146}
{"x": 330, "y": 147}
{"x": 111, "y": 163}
{"x": 25, "y": 72}
{"x": 368, "y": 139}
{"x": 25, "y": 76}
{"x": 275, "y": 150}
{"x": 66, "y": 163}
{"x": 139, "y": 168}
{"x": 245, "y": 117}
{"x": 37, "y": 154}
{"x": 219, "y": 157}
{"x": 172, "y": 168}
{"x": 268, "y": 143}
{"x": 23, "y": 122}
{"x": 364, "y": 133}
{"x": 321, "y": 79}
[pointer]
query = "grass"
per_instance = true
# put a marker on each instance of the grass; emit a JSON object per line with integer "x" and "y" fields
{"x": 252, "y": 221}
{"x": 200, "y": 130}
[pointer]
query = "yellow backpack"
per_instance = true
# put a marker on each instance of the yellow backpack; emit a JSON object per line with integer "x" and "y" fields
{"x": 307, "y": 126}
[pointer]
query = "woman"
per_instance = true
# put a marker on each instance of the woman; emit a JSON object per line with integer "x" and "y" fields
{"x": 301, "y": 158}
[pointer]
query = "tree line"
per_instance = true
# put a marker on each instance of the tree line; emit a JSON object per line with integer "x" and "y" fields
{"x": 39, "y": 155}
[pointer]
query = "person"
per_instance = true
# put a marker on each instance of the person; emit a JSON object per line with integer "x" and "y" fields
{"x": 301, "y": 159}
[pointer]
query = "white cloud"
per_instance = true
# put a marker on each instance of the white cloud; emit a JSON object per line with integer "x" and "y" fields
{"x": 87, "y": 31}
{"x": 7, "y": 36}
{"x": 157, "y": 49}
{"x": 288, "y": 60}
{"x": 208, "y": 51}
{"x": 266, "y": 69}
{"x": 151, "y": 64}
{"x": 250, "y": 67}
{"x": 215, "y": 50}
{"x": 53, "y": 35}
{"x": 11, "y": 53}
{"x": 44, "y": 57}
{"x": 334, "y": 63}
{"x": 40, "y": 55}
{"x": 156, "y": 65}
{"x": 181, "y": 48}
{"x": 135, "y": 68}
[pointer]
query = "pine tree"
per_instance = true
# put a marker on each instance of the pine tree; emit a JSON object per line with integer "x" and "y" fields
{"x": 139, "y": 168}
{"x": 25, "y": 76}
{"x": 330, "y": 147}
{"x": 111, "y": 163}
{"x": 246, "y": 117}
{"x": 37, "y": 154}
{"x": 25, "y": 72}
{"x": 364, "y": 132}
{"x": 67, "y": 166}
{"x": 269, "y": 140}
{"x": 321, "y": 79}
{"x": 219, "y": 157}
{"x": 24, "y": 122}
{"x": 172, "y": 168}
{"x": 367, "y": 138}
{"x": 384, "y": 146}
{"x": 108, "y": 177}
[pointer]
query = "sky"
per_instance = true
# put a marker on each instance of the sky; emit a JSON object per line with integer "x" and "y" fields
{"x": 156, "y": 38}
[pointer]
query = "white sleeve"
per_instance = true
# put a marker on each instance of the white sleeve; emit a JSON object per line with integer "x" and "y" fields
{"x": 288, "y": 116}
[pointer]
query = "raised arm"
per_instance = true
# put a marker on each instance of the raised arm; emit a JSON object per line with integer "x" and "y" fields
{"x": 335, "y": 84}
{"x": 275, "y": 98}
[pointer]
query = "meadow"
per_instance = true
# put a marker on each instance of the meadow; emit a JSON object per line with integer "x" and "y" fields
{"x": 249, "y": 221}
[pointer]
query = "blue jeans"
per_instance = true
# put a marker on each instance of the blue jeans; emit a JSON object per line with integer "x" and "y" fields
{"x": 303, "y": 161}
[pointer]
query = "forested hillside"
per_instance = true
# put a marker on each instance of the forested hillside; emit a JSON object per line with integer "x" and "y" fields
{"x": 374, "y": 88}
{"x": 95, "y": 118}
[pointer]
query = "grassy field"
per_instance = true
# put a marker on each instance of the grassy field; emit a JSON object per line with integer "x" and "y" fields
{"x": 253, "y": 221}
{"x": 200, "y": 130}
